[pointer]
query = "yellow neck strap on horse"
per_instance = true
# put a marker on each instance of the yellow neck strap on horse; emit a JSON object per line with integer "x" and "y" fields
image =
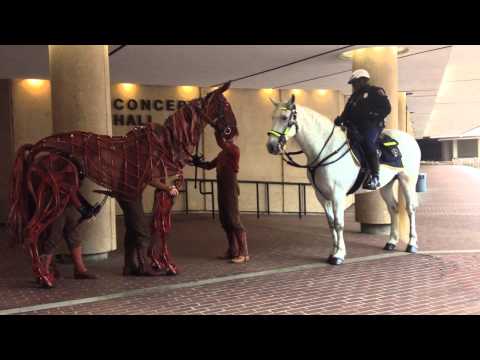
{"x": 391, "y": 143}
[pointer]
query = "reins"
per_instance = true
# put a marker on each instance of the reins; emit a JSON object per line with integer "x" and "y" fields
{"x": 315, "y": 164}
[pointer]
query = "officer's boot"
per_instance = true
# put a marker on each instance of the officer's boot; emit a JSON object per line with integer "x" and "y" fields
{"x": 373, "y": 181}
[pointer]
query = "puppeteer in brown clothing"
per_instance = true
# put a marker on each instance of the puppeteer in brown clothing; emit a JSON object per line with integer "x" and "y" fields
{"x": 227, "y": 166}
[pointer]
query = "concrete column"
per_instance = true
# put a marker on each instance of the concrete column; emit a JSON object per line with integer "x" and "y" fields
{"x": 381, "y": 63}
{"x": 410, "y": 129}
{"x": 455, "y": 149}
{"x": 80, "y": 81}
{"x": 6, "y": 146}
{"x": 446, "y": 151}
{"x": 402, "y": 111}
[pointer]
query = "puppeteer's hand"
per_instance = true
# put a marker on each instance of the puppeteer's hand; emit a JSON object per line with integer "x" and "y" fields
{"x": 197, "y": 160}
{"x": 173, "y": 191}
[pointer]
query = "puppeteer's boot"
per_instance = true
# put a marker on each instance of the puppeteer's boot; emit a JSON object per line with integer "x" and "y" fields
{"x": 243, "y": 257}
{"x": 130, "y": 268}
{"x": 232, "y": 250}
{"x": 144, "y": 269}
{"x": 80, "y": 272}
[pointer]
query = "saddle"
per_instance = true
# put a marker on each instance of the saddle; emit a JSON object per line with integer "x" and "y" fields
{"x": 388, "y": 153}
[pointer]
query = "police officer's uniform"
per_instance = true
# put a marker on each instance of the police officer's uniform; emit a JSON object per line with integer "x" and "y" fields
{"x": 365, "y": 114}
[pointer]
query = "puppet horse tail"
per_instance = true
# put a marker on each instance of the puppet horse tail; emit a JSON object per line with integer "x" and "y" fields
{"x": 19, "y": 213}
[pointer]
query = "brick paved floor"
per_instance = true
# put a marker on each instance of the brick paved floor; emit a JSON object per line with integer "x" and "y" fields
{"x": 448, "y": 219}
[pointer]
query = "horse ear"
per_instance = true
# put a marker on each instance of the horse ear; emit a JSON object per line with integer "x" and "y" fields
{"x": 274, "y": 102}
{"x": 224, "y": 87}
{"x": 292, "y": 100}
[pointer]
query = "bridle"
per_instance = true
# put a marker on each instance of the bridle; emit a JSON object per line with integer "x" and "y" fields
{"x": 292, "y": 122}
{"x": 213, "y": 122}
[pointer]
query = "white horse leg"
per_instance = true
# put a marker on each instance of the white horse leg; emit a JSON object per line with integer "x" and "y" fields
{"x": 392, "y": 205}
{"x": 328, "y": 207}
{"x": 338, "y": 256}
{"x": 409, "y": 191}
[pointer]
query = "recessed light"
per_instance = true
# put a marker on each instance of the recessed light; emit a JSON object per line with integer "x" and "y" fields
{"x": 348, "y": 55}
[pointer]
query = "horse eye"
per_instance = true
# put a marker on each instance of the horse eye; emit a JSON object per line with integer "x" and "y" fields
{"x": 283, "y": 117}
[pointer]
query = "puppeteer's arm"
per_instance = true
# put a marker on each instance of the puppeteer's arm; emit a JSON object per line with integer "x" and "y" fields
{"x": 208, "y": 165}
{"x": 156, "y": 183}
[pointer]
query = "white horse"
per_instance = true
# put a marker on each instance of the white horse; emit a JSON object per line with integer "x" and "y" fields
{"x": 337, "y": 174}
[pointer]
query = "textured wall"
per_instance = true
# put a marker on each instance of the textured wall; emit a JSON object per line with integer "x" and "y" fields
{"x": 252, "y": 108}
{"x": 467, "y": 148}
{"x": 162, "y": 101}
{"x": 253, "y": 111}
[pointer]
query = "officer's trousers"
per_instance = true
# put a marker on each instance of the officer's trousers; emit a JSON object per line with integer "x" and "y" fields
{"x": 369, "y": 146}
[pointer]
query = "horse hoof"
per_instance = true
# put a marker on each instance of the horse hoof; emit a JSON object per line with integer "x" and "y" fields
{"x": 332, "y": 260}
{"x": 46, "y": 282}
{"x": 389, "y": 247}
{"x": 171, "y": 270}
{"x": 412, "y": 249}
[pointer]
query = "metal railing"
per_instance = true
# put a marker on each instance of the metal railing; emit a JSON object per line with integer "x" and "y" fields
{"x": 301, "y": 192}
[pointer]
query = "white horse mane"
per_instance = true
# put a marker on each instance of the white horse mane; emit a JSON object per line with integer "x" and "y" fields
{"x": 311, "y": 121}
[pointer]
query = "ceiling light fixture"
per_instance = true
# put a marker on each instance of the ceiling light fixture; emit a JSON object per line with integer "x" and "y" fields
{"x": 348, "y": 55}
{"x": 35, "y": 82}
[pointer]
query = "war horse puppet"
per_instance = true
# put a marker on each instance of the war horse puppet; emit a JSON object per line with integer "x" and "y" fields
{"x": 46, "y": 176}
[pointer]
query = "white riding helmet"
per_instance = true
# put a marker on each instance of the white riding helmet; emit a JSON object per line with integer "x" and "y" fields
{"x": 357, "y": 74}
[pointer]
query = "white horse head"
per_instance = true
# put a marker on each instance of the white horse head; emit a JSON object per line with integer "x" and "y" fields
{"x": 284, "y": 125}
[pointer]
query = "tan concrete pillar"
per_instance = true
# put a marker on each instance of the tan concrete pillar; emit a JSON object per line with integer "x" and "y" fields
{"x": 6, "y": 146}
{"x": 403, "y": 220}
{"x": 410, "y": 129}
{"x": 446, "y": 150}
{"x": 25, "y": 118}
{"x": 80, "y": 81}
{"x": 381, "y": 62}
{"x": 402, "y": 111}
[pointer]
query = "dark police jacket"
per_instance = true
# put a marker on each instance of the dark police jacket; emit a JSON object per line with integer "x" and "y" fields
{"x": 367, "y": 108}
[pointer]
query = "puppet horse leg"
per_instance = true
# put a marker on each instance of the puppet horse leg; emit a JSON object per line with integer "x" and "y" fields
{"x": 162, "y": 226}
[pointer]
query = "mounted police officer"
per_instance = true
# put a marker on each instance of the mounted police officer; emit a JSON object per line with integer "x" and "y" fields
{"x": 364, "y": 116}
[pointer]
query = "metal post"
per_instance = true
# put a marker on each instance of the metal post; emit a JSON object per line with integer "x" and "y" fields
{"x": 305, "y": 199}
{"x": 258, "y": 202}
{"x": 299, "y": 201}
{"x": 268, "y": 197}
{"x": 186, "y": 197}
{"x": 213, "y": 200}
